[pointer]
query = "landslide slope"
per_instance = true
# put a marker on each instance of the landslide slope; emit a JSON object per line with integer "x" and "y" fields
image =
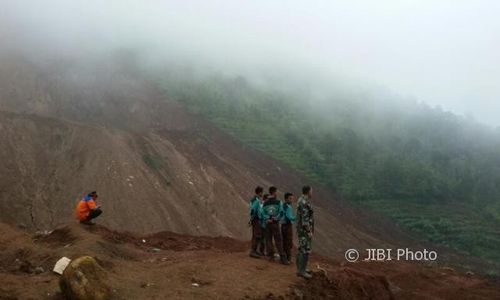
{"x": 66, "y": 130}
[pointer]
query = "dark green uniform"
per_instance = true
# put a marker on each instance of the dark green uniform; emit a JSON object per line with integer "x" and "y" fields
{"x": 305, "y": 229}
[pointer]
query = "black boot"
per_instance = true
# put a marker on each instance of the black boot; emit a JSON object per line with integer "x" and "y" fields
{"x": 301, "y": 266}
{"x": 284, "y": 260}
{"x": 87, "y": 222}
{"x": 306, "y": 260}
{"x": 254, "y": 254}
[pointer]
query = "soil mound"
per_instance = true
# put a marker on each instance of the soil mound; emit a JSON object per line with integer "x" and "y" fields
{"x": 59, "y": 237}
{"x": 342, "y": 284}
{"x": 166, "y": 240}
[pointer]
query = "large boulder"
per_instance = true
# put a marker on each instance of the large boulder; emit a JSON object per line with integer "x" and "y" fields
{"x": 85, "y": 279}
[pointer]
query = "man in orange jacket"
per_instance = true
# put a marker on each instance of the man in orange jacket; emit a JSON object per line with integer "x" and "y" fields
{"x": 87, "y": 209}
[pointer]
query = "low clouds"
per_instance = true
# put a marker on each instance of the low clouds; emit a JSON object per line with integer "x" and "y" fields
{"x": 441, "y": 52}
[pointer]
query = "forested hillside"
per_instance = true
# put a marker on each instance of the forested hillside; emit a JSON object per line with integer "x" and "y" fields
{"x": 436, "y": 173}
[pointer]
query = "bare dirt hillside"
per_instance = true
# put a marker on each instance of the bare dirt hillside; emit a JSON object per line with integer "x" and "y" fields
{"x": 163, "y": 180}
{"x": 66, "y": 130}
{"x": 166, "y": 265}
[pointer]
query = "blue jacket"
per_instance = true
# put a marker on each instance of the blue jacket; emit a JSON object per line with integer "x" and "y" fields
{"x": 255, "y": 209}
{"x": 288, "y": 216}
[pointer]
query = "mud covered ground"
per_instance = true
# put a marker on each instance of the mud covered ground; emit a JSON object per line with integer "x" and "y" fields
{"x": 173, "y": 266}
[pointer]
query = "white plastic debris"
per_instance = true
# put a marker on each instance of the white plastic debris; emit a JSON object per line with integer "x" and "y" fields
{"x": 61, "y": 265}
{"x": 143, "y": 241}
{"x": 196, "y": 284}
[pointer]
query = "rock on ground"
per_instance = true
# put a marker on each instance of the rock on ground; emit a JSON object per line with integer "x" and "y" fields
{"x": 84, "y": 279}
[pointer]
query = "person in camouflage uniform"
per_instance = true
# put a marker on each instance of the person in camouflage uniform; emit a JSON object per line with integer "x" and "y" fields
{"x": 305, "y": 231}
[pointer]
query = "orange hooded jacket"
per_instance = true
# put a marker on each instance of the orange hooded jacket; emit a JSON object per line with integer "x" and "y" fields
{"x": 84, "y": 207}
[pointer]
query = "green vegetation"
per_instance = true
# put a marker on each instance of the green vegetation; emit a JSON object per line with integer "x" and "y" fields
{"x": 433, "y": 172}
{"x": 460, "y": 227}
{"x": 152, "y": 161}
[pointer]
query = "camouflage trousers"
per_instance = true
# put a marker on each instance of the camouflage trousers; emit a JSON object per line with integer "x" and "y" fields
{"x": 305, "y": 244}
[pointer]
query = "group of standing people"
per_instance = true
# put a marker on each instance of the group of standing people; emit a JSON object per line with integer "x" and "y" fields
{"x": 271, "y": 219}
{"x": 272, "y": 223}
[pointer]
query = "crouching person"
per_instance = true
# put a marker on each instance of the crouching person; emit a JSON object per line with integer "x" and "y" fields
{"x": 87, "y": 209}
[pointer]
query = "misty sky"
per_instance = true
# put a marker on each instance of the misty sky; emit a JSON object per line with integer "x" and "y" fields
{"x": 441, "y": 52}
